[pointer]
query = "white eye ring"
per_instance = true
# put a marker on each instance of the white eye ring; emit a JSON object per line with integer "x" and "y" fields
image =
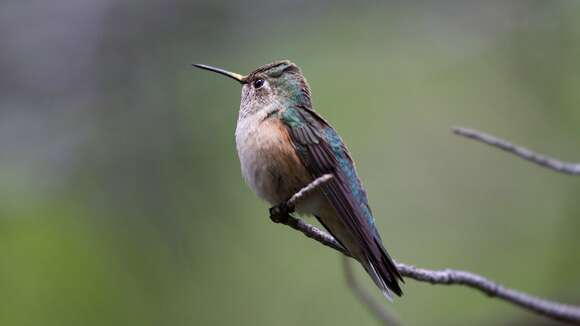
{"x": 259, "y": 83}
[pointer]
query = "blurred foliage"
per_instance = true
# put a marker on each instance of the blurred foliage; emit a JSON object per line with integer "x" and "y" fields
{"x": 122, "y": 201}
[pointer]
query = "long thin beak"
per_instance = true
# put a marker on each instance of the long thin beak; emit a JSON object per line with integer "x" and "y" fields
{"x": 233, "y": 75}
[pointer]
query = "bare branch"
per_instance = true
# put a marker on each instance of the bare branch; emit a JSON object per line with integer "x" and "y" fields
{"x": 366, "y": 298}
{"x": 550, "y": 309}
{"x": 526, "y": 154}
{"x": 306, "y": 190}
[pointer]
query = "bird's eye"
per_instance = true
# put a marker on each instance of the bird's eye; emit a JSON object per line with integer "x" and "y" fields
{"x": 258, "y": 83}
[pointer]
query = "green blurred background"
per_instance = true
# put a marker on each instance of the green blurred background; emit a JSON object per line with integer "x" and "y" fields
{"x": 121, "y": 201}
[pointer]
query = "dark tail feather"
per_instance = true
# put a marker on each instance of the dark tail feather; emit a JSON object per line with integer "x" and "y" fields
{"x": 388, "y": 261}
{"x": 383, "y": 271}
{"x": 380, "y": 267}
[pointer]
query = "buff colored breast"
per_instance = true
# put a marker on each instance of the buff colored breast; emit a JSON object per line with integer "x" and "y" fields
{"x": 270, "y": 165}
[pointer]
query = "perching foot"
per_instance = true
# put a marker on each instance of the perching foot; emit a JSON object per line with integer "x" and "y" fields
{"x": 280, "y": 212}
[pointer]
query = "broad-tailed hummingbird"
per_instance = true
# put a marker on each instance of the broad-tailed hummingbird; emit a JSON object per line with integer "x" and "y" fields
{"x": 283, "y": 145}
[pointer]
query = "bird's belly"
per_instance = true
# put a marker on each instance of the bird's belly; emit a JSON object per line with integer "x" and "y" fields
{"x": 272, "y": 168}
{"x": 269, "y": 162}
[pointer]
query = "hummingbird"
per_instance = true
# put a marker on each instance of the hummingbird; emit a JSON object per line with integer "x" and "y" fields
{"x": 283, "y": 144}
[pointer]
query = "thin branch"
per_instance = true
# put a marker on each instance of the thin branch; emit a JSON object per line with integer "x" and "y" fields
{"x": 365, "y": 297}
{"x": 526, "y": 154}
{"x": 550, "y": 309}
{"x": 309, "y": 188}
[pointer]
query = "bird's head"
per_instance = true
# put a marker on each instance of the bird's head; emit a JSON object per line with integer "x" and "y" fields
{"x": 277, "y": 83}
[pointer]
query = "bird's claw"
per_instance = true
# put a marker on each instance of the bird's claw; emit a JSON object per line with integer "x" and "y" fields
{"x": 280, "y": 213}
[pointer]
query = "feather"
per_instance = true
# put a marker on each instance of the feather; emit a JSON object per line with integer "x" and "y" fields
{"x": 324, "y": 152}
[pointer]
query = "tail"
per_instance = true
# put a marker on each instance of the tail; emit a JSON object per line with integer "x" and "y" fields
{"x": 376, "y": 261}
{"x": 382, "y": 270}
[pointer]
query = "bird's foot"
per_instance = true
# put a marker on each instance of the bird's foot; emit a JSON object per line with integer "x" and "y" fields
{"x": 280, "y": 213}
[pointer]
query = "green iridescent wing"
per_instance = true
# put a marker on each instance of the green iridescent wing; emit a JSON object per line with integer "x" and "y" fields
{"x": 322, "y": 151}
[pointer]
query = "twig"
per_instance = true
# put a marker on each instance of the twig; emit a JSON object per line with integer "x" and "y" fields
{"x": 281, "y": 214}
{"x": 550, "y": 309}
{"x": 365, "y": 297}
{"x": 309, "y": 188}
{"x": 526, "y": 154}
